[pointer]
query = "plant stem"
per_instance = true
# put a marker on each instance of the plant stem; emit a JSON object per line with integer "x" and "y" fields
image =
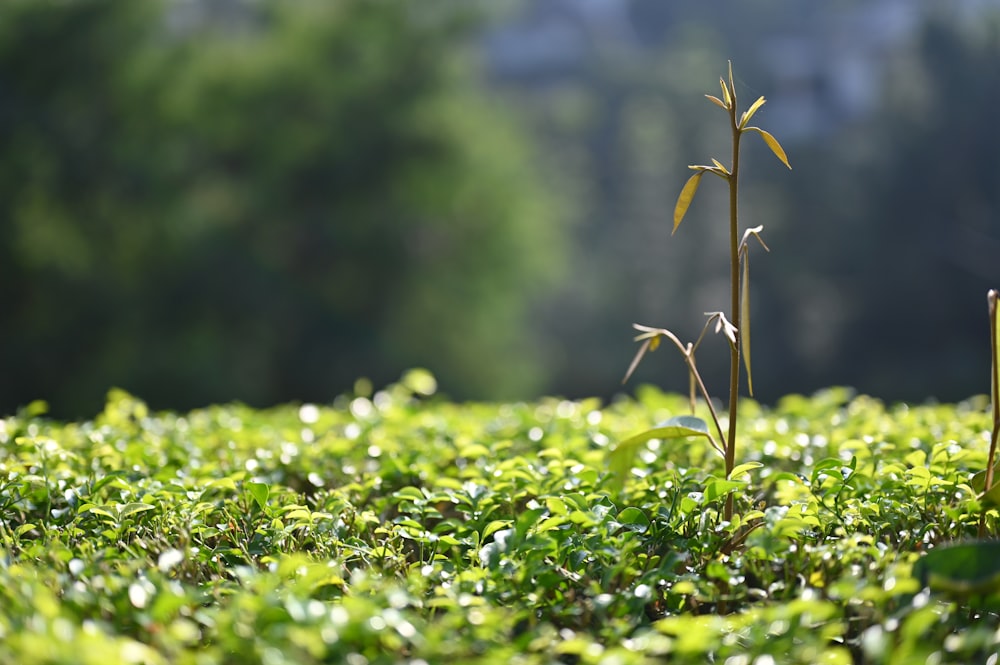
{"x": 734, "y": 316}
{"x": 991, "y": 298}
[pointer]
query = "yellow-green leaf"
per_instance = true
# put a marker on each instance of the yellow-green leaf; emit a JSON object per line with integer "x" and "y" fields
{"x": 773, "y": 144}
{"x": 727, "y": 98}
{"x": 685, "y": 198}
{"x": 740, "y": 469}
{"x": 621, "y": 457}
{"x": 719, "y": 166}
{"x": 745, "y": 319}
{"x": 718, "y": 102}
{"x": 745, "y": 118}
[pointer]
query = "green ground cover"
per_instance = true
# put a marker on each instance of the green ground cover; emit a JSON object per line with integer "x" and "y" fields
{"x": 400, "y": 527}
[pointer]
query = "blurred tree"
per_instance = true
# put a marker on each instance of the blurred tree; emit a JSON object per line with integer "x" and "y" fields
{"x": 901, "y": 239}
{"x": 262, "y": 205}
{"x": 933, "y": 244}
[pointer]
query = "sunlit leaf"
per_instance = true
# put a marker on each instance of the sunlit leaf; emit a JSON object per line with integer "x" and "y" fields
{"x": 685, "y": 198}
{"x": 23, "y": 529}
{"x": 754, "y": 232}
{"x": 720, "y": 167}
{"x": 745, "y": 320}
{"x": 745, "y": 118}
{"x": 718, "y": 102}
{"x": 773, "y": 144}
{"x": 740, "y": 469}
{"x": 132, "y": 508}
{"x": 718, "y": 487}
{"x": 259, "y": 492}
{"x": 678, "y": 427}
{"x": 726, "y": 97}
{"x": 103, "y": 511}
{"x": 633, "y": 519}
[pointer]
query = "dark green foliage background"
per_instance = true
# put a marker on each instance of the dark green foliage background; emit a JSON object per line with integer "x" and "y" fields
{"x": 263, "y": 206}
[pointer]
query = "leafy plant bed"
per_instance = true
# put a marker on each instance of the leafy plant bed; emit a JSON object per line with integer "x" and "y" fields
{"x": 400, "y": 527}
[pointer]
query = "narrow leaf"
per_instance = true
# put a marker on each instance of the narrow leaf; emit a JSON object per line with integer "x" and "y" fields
{"x": 638, "y": 357}
{"x": 745, "y": 319}
{"x": 727, "y": 98}
{"x": 755, "y": 232}
{"x": 718, "y": 102}
{"x": 719, "y": 166}
{"x": 745, "y": 118}
{"x": 685, "y": 198}
{"x": 732, "y": 85}
{"x": 773, "y": 144}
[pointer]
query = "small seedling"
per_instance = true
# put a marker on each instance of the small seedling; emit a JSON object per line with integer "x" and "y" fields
{"x": 736, "y": 327}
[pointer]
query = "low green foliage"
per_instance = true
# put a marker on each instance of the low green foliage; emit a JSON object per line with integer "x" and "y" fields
{"x": 399, "y": 527}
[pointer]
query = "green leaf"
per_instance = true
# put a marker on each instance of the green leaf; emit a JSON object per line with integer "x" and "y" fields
{"x": 740, "y": 469}
{"x": 745, "y": 319}
{"x": 103, "y": 511}
{"x": 633, "y": 519}
{"x": 773, "y": 144}
{"x": 132, "y": 508}
{"x": 23, "y": 529}
{"x": 978, "y": 481}
{"x": 717, "y": 487}
{"x": 678, "y": 427}
{"x": 991, "y": 498}
{"x": 965, "y": 569}
{"x": 745, "y": 118}
{"x": 685, "y": 198}
{"x": 411, "y": 493}
{"x": 259, "y": 492}
{"x": 727, "y": 98}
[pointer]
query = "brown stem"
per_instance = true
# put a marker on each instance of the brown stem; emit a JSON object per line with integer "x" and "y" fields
{"x": 734, "y": 316}
{"x": 991, "y": 298}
